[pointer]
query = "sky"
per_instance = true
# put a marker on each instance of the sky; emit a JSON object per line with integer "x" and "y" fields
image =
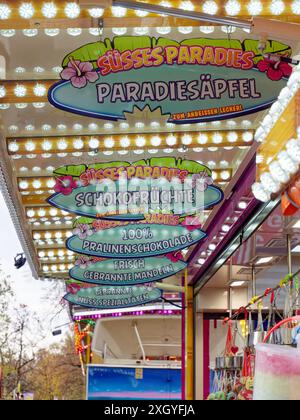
{"x": 29, "y": 291}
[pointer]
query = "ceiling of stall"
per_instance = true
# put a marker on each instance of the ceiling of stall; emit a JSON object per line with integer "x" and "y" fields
{"x": 36, "y": 137}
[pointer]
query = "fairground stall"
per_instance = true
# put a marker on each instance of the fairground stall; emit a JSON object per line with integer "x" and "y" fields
{"x": 149, "y": 160}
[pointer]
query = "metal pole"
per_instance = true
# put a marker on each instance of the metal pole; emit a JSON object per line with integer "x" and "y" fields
{"x": 229, "y": 295}
{"x": 253, "y": 281}
{"x": 183, "y": 358}
{"x": 289, "y": 254}
{"x": 201, "y": 17}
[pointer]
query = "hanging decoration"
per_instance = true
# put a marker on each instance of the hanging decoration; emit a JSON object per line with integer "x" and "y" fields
{"x": 195, "y": 80}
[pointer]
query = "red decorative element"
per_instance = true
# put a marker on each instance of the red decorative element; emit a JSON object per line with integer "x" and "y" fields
{"x": 270, "y": 292}
{"x": 73, "y": 288}
{"x": 192, "y": 223}
{"x": 65, "y": 185}
{"x": 79, "y": 337}
{"x": 275, "y": 70}
{"x": 290, "y": 201}
{"x": 175, "y": 256}
{"x": 234, "y": 350}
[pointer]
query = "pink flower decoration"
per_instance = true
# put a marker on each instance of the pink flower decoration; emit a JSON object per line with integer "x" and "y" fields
{"x": 83, "y": 262}
{"x": 79, "y": 73}
{"x": 192, "y": 223}
{"x": 83, "y": 231}
{"x": 65, "y": 185}
{"x": 175, "y": 256}
{"x": 275, "y": 70}
{"x": 201, "y": 181}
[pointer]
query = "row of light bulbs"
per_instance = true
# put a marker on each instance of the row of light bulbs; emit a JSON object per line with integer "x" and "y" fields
{"x": 21, "y": 90}
{"x": 212, "y": 164}
{"x": 53, "y": 234}
{"x": 57, "y": 223}
{"x": 280, "y": 171}
{"x": 40, "y": 184}
{"x": 226, "y": 227}
{"x": 42, "y": 212}
{"x": 139, "y": 31}
{"x": 126, "y": 142}
{"x": 137, "y": 152}
{"x": 285, "y": 96}
{"x": 139, "y": 125}
{"x": 72, "y": 10}
{"x": 57, "y": 268}
{"x": 54, "y": 253}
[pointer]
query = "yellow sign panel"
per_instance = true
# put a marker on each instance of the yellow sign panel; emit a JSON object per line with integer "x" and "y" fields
{"x": 284, "y": 130}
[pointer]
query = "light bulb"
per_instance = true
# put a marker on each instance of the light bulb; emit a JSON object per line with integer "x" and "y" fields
{"x": 233, "y": 7}
{"x": 30, "y": 146}
{"x": 36, "y": 184}
{"x": 140, "y": 141}
{"x": 118, "y": 11}
{"x": 125, "y": 142}
{"x": 293, "y": 150}
{"x": 49, "y": 10}
{"x": 21, "y": 105}
{"x": 62, "y": 144}
{"x": 109, "y": 143}
{"x": 5, "y": 11}
{"x": 155, "y": 141}
{"x": 225, "y": 228}
{"x": 52, "y": 32}
{"x": 96, "y": 12}
{"x": 124, "y": 125}
{"x": 269, "y": 183}
{"x": 171, "y": 140}
{"x": 277, "y": 7}
{"x": 217, "y": 138}
{"x": 163, "y": 30}
{"x": 232, "y": 137}
{"x": 260, "y": 193}
{"x": 185, "y": 29}
{"x": 93, "y": 127}
{"x": 278, "y": 173}
{"x": 72, "y": 10}
{"x": 187, "y": 5}
{"x": 2, "y": 91}
{"x": 61, "y": 127}
{"x": 296, "y": 7}
{"x": 78, "y": 144}
{"x": 187, "y": 139}
{"x": 50, "y": 184}
{"x": 46, "y": 145}
{"x": 119, "y": 31}
{"x": 202, "y": 138}
{"x": 26, "y": 10}
{"x": 20, "y": 91}
{"x": 39, "y": 90}
{"x": 108, "y": 126}
{"x": 207, "y": 29}
{"x": 247, "y": 136}
{"x": 13, "y": 147}
{"x": 8, "y": 33}
{"x": 225, "y": 175}
{"x": 210, "y": 7}
{"x": 141, "y": 13}
{"x": 94, "y": 143}
{"x": 141, "y": 30}
{"x": 23, "y": 185}
{"x": 287, "y": 164}
{"x": 74, "y": 31}
{"x": 255, "y": 7}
